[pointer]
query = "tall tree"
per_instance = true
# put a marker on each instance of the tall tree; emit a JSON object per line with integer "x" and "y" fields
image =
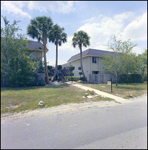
{"x": 122, "y": 60}
{"x": 16, "y": 66}
{"x": 40, "y": 28}
{"x": 142, "y": 65}
{"x": 58, "y": 37}
{"x": 81, "y": 38}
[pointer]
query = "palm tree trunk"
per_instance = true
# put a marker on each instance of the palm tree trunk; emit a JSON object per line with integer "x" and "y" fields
{"x": 81, "y": 63}
{"x": 55, "y": 71}
{"x": 45, "y": 64}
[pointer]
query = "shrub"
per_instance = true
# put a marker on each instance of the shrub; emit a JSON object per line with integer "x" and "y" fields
{"x": 79, "y": 68}
{"x": 40, "y": 67}
{"x": 49, "y": 67}
{"x": 130, "y": 78}
{"x": 34, "y": 80}
{"x": 80, "y": 73}
{"x": 59, "y": 67}
{"x": 71, "y": 74}
{"x": 41, "y": 82}
{"x": 20, "y": 71}
{"x": 59, "y": 79}
{"x": 71, "y": 68}
{"x": 50, "y": 74}
{"x": 82, "y": 78}
{"x": 72, "y": 78}
{"x": 59, "y": 74}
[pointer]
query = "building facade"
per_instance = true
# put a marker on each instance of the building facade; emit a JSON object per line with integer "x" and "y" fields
{"x": 92, "y": 63}
{"x": 36, "y": 49}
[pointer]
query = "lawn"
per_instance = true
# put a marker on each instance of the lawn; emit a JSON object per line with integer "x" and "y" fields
{"x": 122, "y": 90}
{"x": 27, "y": 98}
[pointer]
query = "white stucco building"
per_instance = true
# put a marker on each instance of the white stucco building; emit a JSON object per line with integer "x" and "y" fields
{"x": 91, "y": 60}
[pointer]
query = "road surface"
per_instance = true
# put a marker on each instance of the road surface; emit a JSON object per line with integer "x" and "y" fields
{"x": 120, "y": 126}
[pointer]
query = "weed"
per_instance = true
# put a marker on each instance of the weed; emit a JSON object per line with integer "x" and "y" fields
{"x": 91, "y": 92}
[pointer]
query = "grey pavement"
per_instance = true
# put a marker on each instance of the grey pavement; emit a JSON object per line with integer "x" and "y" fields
{"x": 117, "y": 98}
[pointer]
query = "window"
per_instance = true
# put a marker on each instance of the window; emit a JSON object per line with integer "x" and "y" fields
{"x": 94, "y": 59}
{"x": 95, "y": 72}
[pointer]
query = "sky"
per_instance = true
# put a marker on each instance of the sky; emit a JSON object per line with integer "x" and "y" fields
{"x": 100, "y": 19}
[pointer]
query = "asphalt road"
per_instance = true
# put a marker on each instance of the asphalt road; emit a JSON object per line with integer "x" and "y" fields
{"x": 122, "y": 126}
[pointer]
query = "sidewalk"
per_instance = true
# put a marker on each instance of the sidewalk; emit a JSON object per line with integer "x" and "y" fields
{"x": 118, "y": 99}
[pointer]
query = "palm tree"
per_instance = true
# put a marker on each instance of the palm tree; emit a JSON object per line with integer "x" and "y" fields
{"x": 39, "y": 28}
{"x": 81, "y": 38}
{"x": 57, "y": 36}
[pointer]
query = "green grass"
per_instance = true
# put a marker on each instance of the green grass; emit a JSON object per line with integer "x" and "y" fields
{"x": 122, "y": 90}
{"x": 27, "y": 98}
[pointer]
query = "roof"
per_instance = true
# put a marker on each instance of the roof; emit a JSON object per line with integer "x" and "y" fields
{"x": 35, "y": 45}
{"x": 66, "y": 64}
{"x": 90, "y": 52}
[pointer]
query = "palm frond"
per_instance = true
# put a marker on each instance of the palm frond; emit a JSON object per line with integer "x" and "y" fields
{"x": 57, "y": 34}
{"x": 80, "y": 38}
{"x": 39, "y": 26}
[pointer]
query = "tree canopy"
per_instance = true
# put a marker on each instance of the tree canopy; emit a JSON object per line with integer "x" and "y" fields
{"x": 123, "y": 60}
{"x": 16, "y": 66}
{"x": 142, "y": 65}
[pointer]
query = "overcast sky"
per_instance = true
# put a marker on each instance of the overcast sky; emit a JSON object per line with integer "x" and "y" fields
{"x": 100, "y": 19}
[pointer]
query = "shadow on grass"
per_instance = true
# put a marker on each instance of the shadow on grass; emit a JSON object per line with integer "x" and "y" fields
{"x": 34, "y": 87}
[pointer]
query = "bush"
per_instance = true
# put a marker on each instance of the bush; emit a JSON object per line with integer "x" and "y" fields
{"x": 34, "y": 80}
{"x": 71, "y": 74}
{"x": 75, "y": 78}
{"x": 50, "y": 74}
{"x": 79, "y": 68}
{"x": 59, "y": 74}
{"x": 41, "y": 82}
{"x": 49, "y": 67}
{"x": 80, "y": 73}
{"x": 71, "y": 68}
{"x": 59, "y": 67}
{"x": 82, "y": 78}
{"x": 20, "y": 71}
{"x": 59, "y": 79}
{"x": 40, "y": 69}
{"x": 69, "y": 78}
{"x": 130, "y": 78}
{"x": 145, "y": 78}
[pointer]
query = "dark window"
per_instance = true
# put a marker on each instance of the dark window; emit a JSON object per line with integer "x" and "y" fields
{"x": 40, "y": 48}
{"x": 94, "y": 59}
{"x": 95, "y": 72}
